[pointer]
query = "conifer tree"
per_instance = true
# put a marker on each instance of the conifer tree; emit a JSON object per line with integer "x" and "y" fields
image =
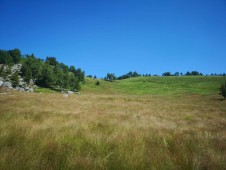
{"x": 223, "y": 90}
{"x": 15, "y": 79}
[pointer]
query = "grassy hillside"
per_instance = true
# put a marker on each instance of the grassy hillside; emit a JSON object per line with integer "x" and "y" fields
{"x": 156, "y": 85}
{"x": 48, "y": 131}
{"x": 117, "y": 125}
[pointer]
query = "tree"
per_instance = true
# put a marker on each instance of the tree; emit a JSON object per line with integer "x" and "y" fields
{"x": 59, "y": 74}
{"x": 64, "y": 67}
{"x": 195, "y": 73}
{"x": 223, "y": 90}
{"x": 80, "y": 74}
{"x": 15, "y": 79}
{"x": 95, "y": 77}
{"x": 5, "y": 57}
{"x": 97, "y": 83}
{"x": 167, "y": 74}
{"x": 16, "y": 55}
{"x": 72, "y": 69}
{"x": 89, "y": 76}
{"x": 27, "y": 75}
{"x": 2, "y": 72}
{"x": 47, "y": 78}
{"x": 110, "y": 76}
{"x": 177, "y": 74}
{"x": 51, "y": 61}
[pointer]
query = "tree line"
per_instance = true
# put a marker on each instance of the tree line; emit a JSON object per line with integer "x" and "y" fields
{"x": 48, "y": 73}
{"x": 112, "y": 76}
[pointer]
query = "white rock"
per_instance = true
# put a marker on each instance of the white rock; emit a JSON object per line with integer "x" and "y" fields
{"x": 70, "y": 92}
{"x": 7, "y": 85}
{"x": 65, "y": 95}
{"x": 1, "y": 83}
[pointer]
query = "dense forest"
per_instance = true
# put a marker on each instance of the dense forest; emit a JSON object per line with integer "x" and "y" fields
{"x": 45, "y": 73}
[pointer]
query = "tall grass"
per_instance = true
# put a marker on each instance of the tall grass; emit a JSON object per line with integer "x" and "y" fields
{"x": 47, "y": 131}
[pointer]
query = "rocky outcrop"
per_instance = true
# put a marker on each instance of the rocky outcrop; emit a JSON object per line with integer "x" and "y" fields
{"x": 22, "y": 85}
{"x": 7, "y": 84}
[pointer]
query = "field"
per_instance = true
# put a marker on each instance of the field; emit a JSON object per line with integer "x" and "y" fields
{"x": 138, "y": 123}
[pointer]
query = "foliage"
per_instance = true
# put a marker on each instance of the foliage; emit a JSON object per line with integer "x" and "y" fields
{"x": 89, "y": 76}
{"x": 167, "y": 74}
{"x": 16, "y": 55}
{"x": 49, "y": 73}
{"x": 129, "y": 75}
{"x": 15, "y": 79}
{"x": 97, "y": 83}
{"x": 51, "y": 61}
{"x": 10, "y": 56}
{"x": 193, "y": 73}
{"x": 110, "y": 77}
{"x": 223, "y": 90}
{"x": 2, "y": 72}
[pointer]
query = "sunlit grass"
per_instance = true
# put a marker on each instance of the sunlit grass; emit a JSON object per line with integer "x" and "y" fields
{"x": 157, "y": 85}
{"x": 47, "y": 131}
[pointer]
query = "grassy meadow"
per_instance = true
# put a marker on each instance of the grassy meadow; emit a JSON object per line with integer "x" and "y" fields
{"x": 138, "y": 123}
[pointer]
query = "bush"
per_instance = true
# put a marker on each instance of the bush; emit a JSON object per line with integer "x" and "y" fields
{"x": 223, "y": 90}
{"x": 97, "y": 83}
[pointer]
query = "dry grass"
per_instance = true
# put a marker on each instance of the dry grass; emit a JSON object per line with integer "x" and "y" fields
{"x": 47, "y": 131}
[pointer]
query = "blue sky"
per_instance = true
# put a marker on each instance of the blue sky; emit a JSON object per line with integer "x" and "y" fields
{"x": 119, "y": 36}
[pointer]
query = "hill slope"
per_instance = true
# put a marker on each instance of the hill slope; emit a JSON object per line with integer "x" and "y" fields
{"x": 156, "y": 85}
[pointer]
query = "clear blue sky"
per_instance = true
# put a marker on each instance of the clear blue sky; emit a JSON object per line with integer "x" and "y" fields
{"x": 118, "y": 36}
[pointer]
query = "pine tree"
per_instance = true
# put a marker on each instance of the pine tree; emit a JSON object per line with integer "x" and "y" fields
{"x": 97, "y": 83}
{"x": 223, "y": 90}
{"x": 28, "y": 75}
{"x": 15, "y": 79}
{"x": 2, "y": 72}
{"x": 16, "y": 55}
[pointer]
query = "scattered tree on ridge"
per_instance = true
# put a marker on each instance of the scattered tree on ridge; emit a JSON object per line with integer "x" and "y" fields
{"x": 97, "y": 83}
{"x": 223, "y": 90}
{"x": 110, "y": 77}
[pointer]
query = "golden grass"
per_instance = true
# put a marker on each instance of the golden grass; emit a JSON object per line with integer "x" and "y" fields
{"x": 48, "y": 131}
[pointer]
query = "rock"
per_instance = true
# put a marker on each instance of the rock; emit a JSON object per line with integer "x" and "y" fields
{"x": 31, "y": 90}
{"x": 27, "y": 88}
{"x": 7, "y": 85}
{"x": 31, "y": 81}
{"x": 1, "y": 83}
{"x": 20, "y": 89}
{"x": 65, "y": 95}
{"x": 21, "y": 83}
{"x": 16, "y": 68}
{"x": 70, "y": 92}
{"x": 1, "y": 79}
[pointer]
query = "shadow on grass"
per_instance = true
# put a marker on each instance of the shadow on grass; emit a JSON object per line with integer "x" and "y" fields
{"x": 219, "y": 99}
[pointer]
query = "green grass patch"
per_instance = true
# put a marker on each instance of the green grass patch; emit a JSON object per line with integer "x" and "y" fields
{"x": 156, "y": 85}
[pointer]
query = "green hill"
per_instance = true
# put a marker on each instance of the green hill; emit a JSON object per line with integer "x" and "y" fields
{"x": 156, "y": 85}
